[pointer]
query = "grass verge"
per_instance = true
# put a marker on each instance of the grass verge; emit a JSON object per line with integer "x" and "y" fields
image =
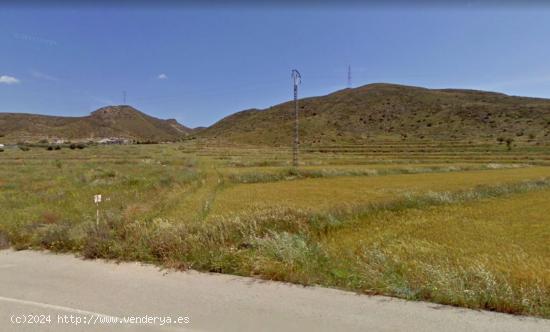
{"x": 296, "y": 174}
{"x": 347, "y": 248}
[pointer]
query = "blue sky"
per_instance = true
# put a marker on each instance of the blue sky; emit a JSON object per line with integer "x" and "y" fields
{"x": 199, "y": 65}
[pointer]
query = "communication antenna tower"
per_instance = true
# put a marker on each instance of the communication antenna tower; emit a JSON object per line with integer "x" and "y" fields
{"x": 349, "y": 76}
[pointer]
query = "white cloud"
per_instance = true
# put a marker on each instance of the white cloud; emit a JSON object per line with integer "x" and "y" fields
{"x": 5, "y": 79}
{"x": 43, "y": 76}
{"x": 162, "y": 77}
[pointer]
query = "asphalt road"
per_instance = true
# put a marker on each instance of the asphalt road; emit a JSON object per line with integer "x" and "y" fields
{"x": 80, "y": 295}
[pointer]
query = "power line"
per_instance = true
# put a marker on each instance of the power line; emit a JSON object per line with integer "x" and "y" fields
{"x": 349, "y": 76}
{"x": 297, "y": 79}
{"x": 212, "y": 92}
{"x": 254, "y": 87}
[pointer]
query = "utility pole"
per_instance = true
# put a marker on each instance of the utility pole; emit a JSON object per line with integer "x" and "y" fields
{"x": 349, "y": 77}
{"x": 297, "y": 79}
{"x": 124, "y": 97}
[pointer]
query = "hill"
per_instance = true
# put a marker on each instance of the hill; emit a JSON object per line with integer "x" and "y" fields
{"x": 111, "y": 121}
{"x": 391, "y": 112}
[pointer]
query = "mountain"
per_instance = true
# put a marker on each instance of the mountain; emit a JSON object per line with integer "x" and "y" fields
{"x": 391, "y": 112}
{"x": 111, "y": 121}
{"x": 350, "y": 116}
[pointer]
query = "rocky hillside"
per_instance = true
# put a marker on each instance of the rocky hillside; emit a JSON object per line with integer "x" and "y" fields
{"x": 112, "y": 121}
{"x": 391, "y": 112}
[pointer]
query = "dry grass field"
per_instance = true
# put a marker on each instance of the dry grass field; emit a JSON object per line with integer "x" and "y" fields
{"x": 454, "y": 223}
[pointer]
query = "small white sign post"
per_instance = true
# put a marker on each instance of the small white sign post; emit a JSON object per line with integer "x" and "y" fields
{"x": 97, "y": 200}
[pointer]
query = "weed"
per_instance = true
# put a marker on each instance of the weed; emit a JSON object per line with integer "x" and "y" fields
{"x": 432, "y": 221}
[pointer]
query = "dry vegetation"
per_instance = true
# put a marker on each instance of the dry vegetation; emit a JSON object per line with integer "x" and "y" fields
{"x": 111, "y": 121}
{"x": 393, "y": 112}
{"x": 467, "y": 226}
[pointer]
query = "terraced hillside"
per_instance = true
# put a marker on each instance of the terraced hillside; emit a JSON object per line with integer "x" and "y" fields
{"x": 392, "y": 112}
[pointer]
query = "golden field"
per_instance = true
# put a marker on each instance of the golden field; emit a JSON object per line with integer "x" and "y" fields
{"x": 443, "y": 222}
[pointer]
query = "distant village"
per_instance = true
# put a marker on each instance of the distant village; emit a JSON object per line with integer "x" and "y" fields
{"x": 108, "y": 140}
{"x": 59, "y": 142}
